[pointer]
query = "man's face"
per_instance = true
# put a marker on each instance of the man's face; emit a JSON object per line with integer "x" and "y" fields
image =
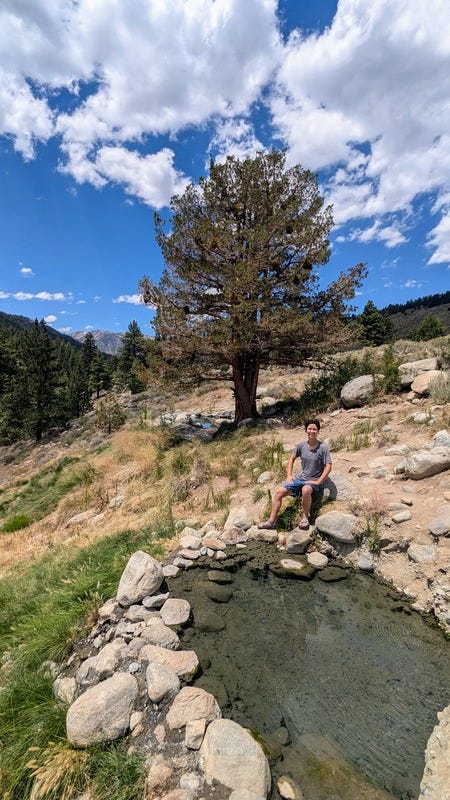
{"x": 312, "y": 431}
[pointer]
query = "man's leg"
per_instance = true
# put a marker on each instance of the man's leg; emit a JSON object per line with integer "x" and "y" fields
{"x": 307, "y": 491}
{"x": 280, "y": 494}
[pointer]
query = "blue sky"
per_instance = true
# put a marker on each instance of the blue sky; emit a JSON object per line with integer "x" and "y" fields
{"x": 109, "y": 108}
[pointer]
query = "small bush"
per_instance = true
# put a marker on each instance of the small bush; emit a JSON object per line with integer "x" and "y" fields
{"x": 439, "y": 388}
{"x": 16, "y": 523}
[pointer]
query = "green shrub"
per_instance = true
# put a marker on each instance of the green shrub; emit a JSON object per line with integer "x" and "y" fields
{"x": 16, "y": 523}
{"x": 439, "y": 388}
{"x": 430, "y": 328}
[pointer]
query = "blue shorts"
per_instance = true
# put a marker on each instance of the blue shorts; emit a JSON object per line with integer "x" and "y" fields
{"x": 295, "y": 488}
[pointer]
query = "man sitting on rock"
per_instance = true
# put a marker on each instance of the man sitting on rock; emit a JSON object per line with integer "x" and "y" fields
{"x": 316, "y": 466}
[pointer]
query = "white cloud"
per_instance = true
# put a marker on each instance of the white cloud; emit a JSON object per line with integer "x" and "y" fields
{"x": 413, "y": 284}
{"x": 24, "y": 296}
{"x": 234, "y": 137}
{"x": 134, "y": 299}
{"x": 51, "y": 318}
{"x": 370, "y": 98}
{"x": 27, "y": 272}
{"x": 439, "y": 240}
{"x": 391, "y": 235}
{"x": 146, "y": 68}
{"x": 65, "y": 330}
{"x": 80, "y": 302}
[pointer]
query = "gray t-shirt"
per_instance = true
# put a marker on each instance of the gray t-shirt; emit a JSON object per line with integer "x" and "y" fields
{"x": 313, "y": 461}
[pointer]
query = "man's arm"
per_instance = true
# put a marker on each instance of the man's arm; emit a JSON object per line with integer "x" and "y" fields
{"x": 326, "y": 471}
{"x": 290, "y": 467}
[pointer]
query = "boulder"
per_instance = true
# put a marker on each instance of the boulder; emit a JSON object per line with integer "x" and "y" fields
{"x": 338, "y": 486}
{"x": 357, "y": 391}
{"x": 102, "y": 713}
{"x": 339, "y": 526}
{"x": 232, "y": 757}
{"x": 421, "y": 384}
{"x": 410, "y": 369}
{"x": 234, "y": 535}
{"x": 424, "y": 463}
{"x": 240, "y": 517}
{"x": 192, "y": 703}
{"x": 298, "y": 540}
{"x": 142, "y": 576}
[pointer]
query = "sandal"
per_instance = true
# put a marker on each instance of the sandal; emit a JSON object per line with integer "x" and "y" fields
{"x": 266, "y": 526}
{"x": 303, "y": 524}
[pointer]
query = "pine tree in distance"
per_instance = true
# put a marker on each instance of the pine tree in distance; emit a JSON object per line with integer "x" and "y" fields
{"x": 240, "y": 290}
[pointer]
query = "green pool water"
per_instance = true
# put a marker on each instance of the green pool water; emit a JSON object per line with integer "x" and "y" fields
{"x": 346, "y": 670}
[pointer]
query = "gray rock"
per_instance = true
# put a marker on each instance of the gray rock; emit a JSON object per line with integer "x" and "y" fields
{"x": 298, "y": 540}
{"x": 137, "y": 613}
{"x": 65, "y": 690}
{"x": 423, "y": 463}
{"x": 317, "y": 560}
{"x": 190, "y": 542}
{"x": 170, "y": 570}
{"x": 208, "y": 621}
{"x": 240, "y": 517}
{"x": 159, "y": 634}
{"x": 192, "y": 703}
{"x": 161, "y": 680}
{"x": 77, "y": 519}
{"x": 142, "y": 576}
{"x": 409, "y": 370}
{"x": 288, "y": 788}
{"x": 234, "y": 535}
{"x": 156, "y": 600}
{"x": 184, "y": 663}
{"x": 338, "y": 525}
{"x": 191, "y": 555}
{"x": 232, "y": 757}
{"x": 357, "y": 391}
{"x": 442, "y": 439}
{"x": 194, "y": 733}
{"x": 175, "y": 612}
{"x": 402, "y": 516}
{"x": 216, "y": 592}
{"x": 440, "y": 526}
{"x": 102, "y": 713}
{"x": 366, "y": 562}
{"x": 338, "y": 486}
{"x": 299, "y": 569}
{"x": 421, "y": 384}
{"x": 220, "y": 576}
{"x": 436, "y": 776}
{"x": 421, "y": 553}
{"x": 333, "y": 574}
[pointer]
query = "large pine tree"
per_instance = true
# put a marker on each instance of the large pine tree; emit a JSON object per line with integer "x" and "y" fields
{"x": 240, "y": 290}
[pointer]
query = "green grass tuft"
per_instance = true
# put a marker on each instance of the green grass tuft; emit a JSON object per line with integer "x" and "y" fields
{"x": 46, "y": 608}
{"x": 16, "y": 523}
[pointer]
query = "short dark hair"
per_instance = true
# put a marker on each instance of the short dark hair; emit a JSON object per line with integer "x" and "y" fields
{"x": 312, "y": 422}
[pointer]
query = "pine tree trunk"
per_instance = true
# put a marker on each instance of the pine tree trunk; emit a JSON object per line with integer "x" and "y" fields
{"x": 245, "y": 378}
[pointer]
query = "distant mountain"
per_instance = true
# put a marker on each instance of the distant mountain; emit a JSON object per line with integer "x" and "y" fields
{"x": 18, "y": 322}
{"x": 407, "y": 317}
{"x": 106, "y": 341}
